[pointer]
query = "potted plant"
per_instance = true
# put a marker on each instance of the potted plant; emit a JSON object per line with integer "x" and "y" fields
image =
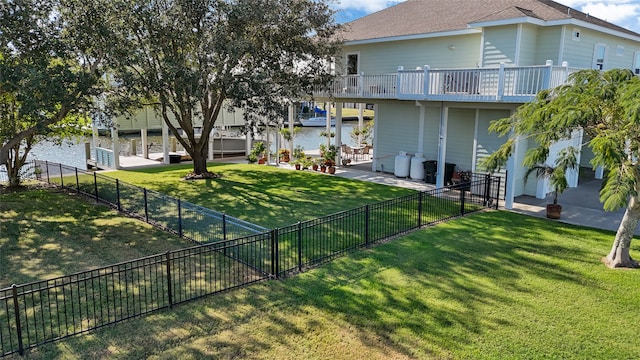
{"x": 257, "y": 153}
{"x": 557, "y": 177}
{"x": 329, "y": 155}
{"x": 284, "y": 155}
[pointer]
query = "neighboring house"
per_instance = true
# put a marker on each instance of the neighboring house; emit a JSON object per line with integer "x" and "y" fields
{"x": 439, "y": 71}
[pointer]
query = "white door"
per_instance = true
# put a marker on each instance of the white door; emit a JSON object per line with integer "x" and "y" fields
{"x": 599, "y": 56}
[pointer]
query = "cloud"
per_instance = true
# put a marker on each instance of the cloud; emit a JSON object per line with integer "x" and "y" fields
{"x": 625, "y": 13}
{"x": 366, "y": 6}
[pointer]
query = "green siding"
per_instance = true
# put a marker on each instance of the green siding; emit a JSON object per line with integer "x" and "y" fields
{"x": 460, "y": 130}
{"x": 488, "y": 142}
{"x": 431, "y": 133}
{"x": 384, "y": 58}
{"x": 500, "y": 45}
{"x": 528, "y": 49}
{"x": 580, "y": 53}
{"x": 147, "y": 118}
{"x": 548, "y": 45}
{"x": 396, "y": 131}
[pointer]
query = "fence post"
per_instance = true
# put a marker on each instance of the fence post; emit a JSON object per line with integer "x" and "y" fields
{"x": 169, "y": 287}
{"x": 95, "y": 185}
{"x": 498, "y": 192}
{"x": 299, "y": 246}
{"x": 146, "y": 206}
{"x": 224, "y": 227}
{"x": 118, "y": 194}
{"x": 462, "y": 201}
{"x": 366, "y": 224}
{"x": 274, "y": 253}
{"x": 179, "y": 218}
{"x": 61, "y": 177}
{"x": 420, "y": 208}
{"x": 77, "y": 182}
{"x": 16, "y": 309}
{"x": 46, "y": 163}
{"x": 487, "y": 189}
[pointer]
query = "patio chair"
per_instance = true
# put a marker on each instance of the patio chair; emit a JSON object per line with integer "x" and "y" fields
{"x": 347, "y": 151}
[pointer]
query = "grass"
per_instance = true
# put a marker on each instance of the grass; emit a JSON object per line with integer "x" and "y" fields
{"x": 44, "y": 234}
{"x": 263, "y": 195}
{"x": 493, "y": 285}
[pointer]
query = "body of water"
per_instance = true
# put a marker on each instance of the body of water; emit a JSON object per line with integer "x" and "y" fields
{"x": 72, "y": 153}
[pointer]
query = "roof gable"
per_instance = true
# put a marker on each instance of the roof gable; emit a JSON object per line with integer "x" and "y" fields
{"x": 415, "y": 17}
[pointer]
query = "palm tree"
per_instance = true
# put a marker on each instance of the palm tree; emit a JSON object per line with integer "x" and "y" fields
{"x": 567, "y": 160}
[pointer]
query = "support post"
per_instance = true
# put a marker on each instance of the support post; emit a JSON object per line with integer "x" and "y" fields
{"x": 299, "y": 246}
{"x": 118, "y": 194}
{"x": 16, "y": 310}
{"x": 146, "y": 206}
{"x": 95, "y": 185}
{"x": 169, "y": 282}
{"x": 420, "y": 194}
{"x": 179, "y": 218}
{"x": 366, "y": 224}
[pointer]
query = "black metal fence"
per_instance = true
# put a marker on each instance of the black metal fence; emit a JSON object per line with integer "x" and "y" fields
{"x": 41, "y": 312}
{"x": 188, "y": 220}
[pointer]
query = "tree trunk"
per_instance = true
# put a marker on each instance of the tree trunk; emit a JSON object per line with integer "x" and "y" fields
{"x": 619, "y": 256}
{"x": 199, "y": 162}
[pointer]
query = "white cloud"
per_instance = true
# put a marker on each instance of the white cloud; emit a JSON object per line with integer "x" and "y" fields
{"x": 625, "y": 13}
{"x": 368, "y": 6}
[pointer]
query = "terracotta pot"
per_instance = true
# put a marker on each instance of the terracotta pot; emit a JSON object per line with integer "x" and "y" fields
{"x": 332, "y": 170}
{"x": 553, "y": 211}
{"x": 315, "y": 167}
{"x": 262, "y": 160}
{"x": 323, "y": 168}
{"x": 298, "y": 166}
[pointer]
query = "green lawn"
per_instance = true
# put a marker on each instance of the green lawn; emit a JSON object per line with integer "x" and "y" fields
{"x": 264, "y": 195}
{"x": 44, "y": 234}
{"x": 493, "y": 285}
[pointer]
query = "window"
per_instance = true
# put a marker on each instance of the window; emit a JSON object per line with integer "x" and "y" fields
{"x": 352, "y": 64}
{"x": 636, "y": 63}
{"x": 620, "y": 50}
{"x": 576, "y": 35}
{"x": 599, "y": 55}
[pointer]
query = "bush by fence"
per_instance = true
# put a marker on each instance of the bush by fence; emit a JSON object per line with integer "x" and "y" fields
{"x": 41, "y": 312}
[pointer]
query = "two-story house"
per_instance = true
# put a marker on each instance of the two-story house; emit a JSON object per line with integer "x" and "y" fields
{"x": 439, "y": 72}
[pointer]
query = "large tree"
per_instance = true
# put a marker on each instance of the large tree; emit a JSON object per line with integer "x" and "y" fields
{"x": 49, "y": 71}
{"x": 606, "y": 105}
{"x": 188, "y": 58}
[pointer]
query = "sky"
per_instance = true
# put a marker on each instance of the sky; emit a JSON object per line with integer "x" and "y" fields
{"x": 625, "y": 13}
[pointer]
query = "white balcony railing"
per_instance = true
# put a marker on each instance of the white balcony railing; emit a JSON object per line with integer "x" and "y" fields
{"x": 504, "y": 83}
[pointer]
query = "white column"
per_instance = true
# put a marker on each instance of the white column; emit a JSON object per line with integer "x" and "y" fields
{"x": 292, "y": 113}
{"x": 145, "y": 143}
{"x": 474, "y": 151}
{"x": 115, "y": 146}
{"x": 420, "y": 148}
{"x": 338, "y": 139}
{"x": 210, "y": 144}
{"x": 360, "y": 122}
{"x": 328, "y": 109}
{"x": 248, "y": 142}
{"x": 442, "y": 146}
{"x": 374, "y": 162}
{"x": 165, "y": 143}
{"x": 510, "y": 186}
{"x": 94, "y": 134}
{"x": 574, "y": 175}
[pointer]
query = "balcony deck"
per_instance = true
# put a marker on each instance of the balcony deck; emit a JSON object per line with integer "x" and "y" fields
{"x": 499, "y": 84}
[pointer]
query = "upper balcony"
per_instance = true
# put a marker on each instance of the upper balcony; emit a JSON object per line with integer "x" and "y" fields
{"x": 511, "y": 84}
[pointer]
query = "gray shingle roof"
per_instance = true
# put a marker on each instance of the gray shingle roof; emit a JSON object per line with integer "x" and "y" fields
{"x": 415, "y": 17}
